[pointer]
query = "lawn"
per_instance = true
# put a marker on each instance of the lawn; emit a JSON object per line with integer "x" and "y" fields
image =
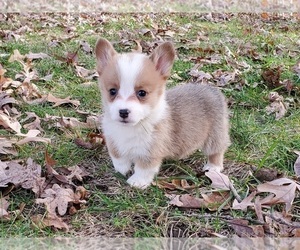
{"x": 253, "y": 59}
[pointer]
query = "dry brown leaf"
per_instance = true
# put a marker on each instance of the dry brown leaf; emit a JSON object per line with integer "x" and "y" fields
{"x": 4, "y": 204}
{"x": 33, "y": 56}
{"x": 16, "y": 56}
{"x": 6, "y": 99}
{"x": 51, "y": 98}
{"x": 76, "y": 172}
{"x": 138, "y": 48}
{"x": 272, "y": 77}
{"x": 296, "y": 165}
{"x": 186, "y": 201}
{"x": 71, "y": 58}
{"x": 72, "y": 122}
{"x": 35, "y": 124}
{"x": 224, "y": 78}
{"x": 200, "y": 76}
{"x": 27, "y": 176}
{"x": 86, "y": 73}
{"x": 243, "y": 229}
{"x": 49, "y": 221}
{"x": 33, "y": 139}
{"x": 278, "y": 108}
{"x": 86, "y": 47}
{"x": 58, "y": 198}
{"x": 245, "y": 203}
{"x": 219, "y": 180}
{"x": 9, "y": 123}
{"x": 6, "y": 147}
{"x": 180, "y": 184}
{"x": 60, "y": 101}
{"x": 284, "y": 190}
{"x": 216, "y": 199}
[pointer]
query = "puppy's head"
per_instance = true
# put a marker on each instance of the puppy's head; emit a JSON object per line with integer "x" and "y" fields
{"x": 132, "y": 84}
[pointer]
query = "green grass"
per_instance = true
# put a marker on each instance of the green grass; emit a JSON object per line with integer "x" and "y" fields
{"x": 114, "y": 209}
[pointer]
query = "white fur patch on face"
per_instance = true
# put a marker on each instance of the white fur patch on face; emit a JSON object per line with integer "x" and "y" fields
{"x": 129, "y": 66}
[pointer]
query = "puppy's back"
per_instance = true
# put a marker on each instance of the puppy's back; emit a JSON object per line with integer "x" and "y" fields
{"x": 199, "y": 117}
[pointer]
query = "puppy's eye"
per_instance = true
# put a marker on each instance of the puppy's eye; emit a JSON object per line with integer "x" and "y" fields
{"x": 113, "y": 92}
{"x": 141, "y": 93}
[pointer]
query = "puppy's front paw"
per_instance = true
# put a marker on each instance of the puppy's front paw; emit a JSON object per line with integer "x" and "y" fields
{"x": 139, "y": 182}
{"x": 210, "y": 166}
{"x": 121, "y": 165}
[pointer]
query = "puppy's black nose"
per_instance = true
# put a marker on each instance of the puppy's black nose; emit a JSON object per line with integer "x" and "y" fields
{"x": 124, "y": 113}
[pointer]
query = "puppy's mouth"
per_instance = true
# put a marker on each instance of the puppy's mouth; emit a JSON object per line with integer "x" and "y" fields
{"x": 127, "y": 122}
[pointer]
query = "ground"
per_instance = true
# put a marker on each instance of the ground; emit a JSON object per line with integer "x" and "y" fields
{"x": 253, "y": 59}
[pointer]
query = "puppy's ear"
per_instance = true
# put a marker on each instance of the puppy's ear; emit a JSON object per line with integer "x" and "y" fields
{"x": 104, "y": 52}
{"x": 163, "y": 57}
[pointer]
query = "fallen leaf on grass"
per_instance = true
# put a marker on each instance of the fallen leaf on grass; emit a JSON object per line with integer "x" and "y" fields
{"x": 281, "y": 225}
{"x": 16, "y": 56}
{"x": 70, "y": 58}
{"x": 33, "y": 56}
{"x": 138, "y": 48}
{"x": 200, "y": 76}
{"x": 71, "y": 122}
{"x": 27, "y": 176}
{"x": 6, "y": 99}
{"x": 284, "y": 190}
{"x": 85, "y": 46}
{"x": 245, "y": 203}
{"x": 33, "y": 139}
{"x": 9, "y": 122}
{"x": 243, "y": 229}
{"x": 57, "y": 101}
{"x": 86, "y": 73}
{"x": 215, "y": 200}
{"x": 6, "y": 147}
{"x": 4, "y": 204}
{"x": 272, "y": 76}
{"x": 60, "y": 101}
{"x": 277, "y": 105}
{"x": 58, "y": 198}
{"x": 186, "y": 201}
{"x": 41, "y": 221}
{"x": 180, "y": 184}
{"x": 219, "y": 180}
{"x": 35, "y": 124}
{"x": 224, "y": 78}
{"x": 296, "y": 165}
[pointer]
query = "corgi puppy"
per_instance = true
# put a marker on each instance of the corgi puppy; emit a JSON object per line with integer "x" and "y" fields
{"x": 143, "y": 123}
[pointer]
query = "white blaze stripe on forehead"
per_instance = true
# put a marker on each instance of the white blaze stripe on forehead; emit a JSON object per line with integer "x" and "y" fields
{"x": 129, "y": 67}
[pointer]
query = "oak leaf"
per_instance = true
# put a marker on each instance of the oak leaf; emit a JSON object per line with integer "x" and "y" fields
{"x": 27, "y": 175}
{"x": 284, "y": 190}
{"x": 49, "y": 221}
{"x": 219, "y": 180}
{"x": 186, "y": 201}
{"x": 6, "y": 147}
{"x": 245, "y": 203}
{"x": 58, "y": 198}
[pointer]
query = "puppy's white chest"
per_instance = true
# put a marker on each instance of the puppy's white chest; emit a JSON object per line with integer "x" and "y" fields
{"x": 131, "y": 142}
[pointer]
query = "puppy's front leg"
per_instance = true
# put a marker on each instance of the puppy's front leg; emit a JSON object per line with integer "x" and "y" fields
{"x": 215, "y": 162}
{"x": 144, "y": 174}
{"x": 121, "y": 165}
